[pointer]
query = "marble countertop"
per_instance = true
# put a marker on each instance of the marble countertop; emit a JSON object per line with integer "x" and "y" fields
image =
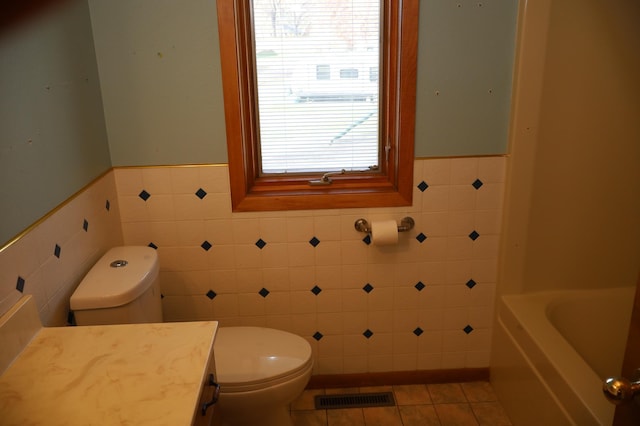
{"x": 133, "y": 374}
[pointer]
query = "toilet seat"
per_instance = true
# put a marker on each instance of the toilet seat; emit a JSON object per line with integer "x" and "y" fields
{"x": 252, "y": 358}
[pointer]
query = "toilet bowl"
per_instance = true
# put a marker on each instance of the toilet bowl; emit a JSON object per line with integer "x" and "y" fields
{"x": 260, "y": 370}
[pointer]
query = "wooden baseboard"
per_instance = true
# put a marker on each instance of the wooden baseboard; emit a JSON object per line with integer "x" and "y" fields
{"x": 398, "y": 378}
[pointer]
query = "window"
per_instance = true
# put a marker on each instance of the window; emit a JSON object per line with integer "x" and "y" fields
{"x": 361, "y": 97}
{"x": 349, "y": 73}
{"x": 323, "y": 72}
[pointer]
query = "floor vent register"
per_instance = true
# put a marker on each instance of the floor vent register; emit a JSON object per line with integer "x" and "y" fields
{"x": 356, "y": 400}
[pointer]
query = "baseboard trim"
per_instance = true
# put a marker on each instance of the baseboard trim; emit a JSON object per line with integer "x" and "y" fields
{"x": 398, "y": 378}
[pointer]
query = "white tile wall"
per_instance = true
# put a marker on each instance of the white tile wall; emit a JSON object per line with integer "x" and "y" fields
{"x": 177, "y": 222}
{"x": 49, "y": 278}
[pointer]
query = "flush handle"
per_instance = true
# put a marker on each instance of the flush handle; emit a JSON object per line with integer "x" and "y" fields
{"x": 216, "y": 394}
{"x": 619, "y": 390}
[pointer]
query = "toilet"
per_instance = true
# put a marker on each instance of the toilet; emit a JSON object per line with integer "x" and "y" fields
{"x": 260, "y": 370}
{"x": 121, "y": 288}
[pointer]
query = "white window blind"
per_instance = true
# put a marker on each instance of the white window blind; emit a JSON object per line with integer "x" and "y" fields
{"x": 318, "y": 67}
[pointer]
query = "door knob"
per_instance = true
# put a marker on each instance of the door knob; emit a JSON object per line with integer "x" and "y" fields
{"x": 619, "y": 390}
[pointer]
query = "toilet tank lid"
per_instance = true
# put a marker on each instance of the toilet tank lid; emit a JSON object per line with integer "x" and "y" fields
{"x": 107, "y": 286}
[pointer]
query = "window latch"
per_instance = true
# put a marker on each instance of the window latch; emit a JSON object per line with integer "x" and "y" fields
{"x": 326, "y": 178}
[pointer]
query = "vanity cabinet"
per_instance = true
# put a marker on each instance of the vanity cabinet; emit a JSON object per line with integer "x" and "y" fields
{"x": 139, "y": 374}
{"x": 203, "y": 415}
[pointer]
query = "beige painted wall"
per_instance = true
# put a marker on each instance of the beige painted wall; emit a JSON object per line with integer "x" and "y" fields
{"x": 573, "y": 204}
{"x": 53, "y": 138}
{"x": 161, "y": 82}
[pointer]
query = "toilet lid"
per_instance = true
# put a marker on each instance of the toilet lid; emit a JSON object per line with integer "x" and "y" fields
{"x": 250, "y": 355}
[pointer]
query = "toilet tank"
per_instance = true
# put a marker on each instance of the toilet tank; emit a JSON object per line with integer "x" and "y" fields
{"x": 121, "y": 288}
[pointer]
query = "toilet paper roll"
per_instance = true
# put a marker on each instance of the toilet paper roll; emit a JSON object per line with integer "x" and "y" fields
{"x": 384, "y": 232}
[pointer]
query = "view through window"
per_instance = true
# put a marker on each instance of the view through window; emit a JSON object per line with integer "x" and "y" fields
{"x": 317, "y": 67}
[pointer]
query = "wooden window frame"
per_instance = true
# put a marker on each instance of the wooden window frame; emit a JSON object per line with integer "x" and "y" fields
{"x": 391, "y": 186}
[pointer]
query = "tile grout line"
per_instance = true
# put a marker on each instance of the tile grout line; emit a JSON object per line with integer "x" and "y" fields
{"x": 482, "y": 394}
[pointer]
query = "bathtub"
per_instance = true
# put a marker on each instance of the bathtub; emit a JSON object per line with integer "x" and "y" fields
{"x": 552, "y": 350}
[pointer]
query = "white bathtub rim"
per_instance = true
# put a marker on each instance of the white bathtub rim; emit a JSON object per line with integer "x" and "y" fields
{"x": 528, "y": 312}
{"x": 555, "y": 376}
{"x": 540, "y": 379}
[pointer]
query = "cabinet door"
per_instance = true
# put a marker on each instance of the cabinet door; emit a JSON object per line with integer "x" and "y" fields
{"x": 208, "y": 396}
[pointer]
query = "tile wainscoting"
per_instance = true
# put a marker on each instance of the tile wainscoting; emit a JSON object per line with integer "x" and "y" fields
{"x": 425, "y": 303}
{"x": 50, "y": 258}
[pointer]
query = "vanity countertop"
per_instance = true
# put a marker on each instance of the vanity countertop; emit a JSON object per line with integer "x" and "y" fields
{"x": 132, "y": 374}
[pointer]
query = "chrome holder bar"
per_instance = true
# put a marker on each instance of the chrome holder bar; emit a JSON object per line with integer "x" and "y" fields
{"x": 406, "y": 224}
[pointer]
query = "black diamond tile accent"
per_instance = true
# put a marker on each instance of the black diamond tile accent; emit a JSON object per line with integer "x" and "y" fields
{"x": 468, "y": 329}
{"x": 317, "y": 335}
{"x": 107, "y": 205}
{"x": 85, "y": 225}
{"x": 420, "y": 285}
{"x": 201, "y": 193}
{"x": 144, "y": 195}
{"x": 368, "y": 288}
{"x": 367, "y": 239}
{"x": 477, "y": 184}
{"x": 316, "y": 290}
{"x": 56, "y": 251}
{"x": 211, "y": 294}
{"x": 418, "y": 331}
{"x": 422, "y": 186}
{"x": 261, "y": 243}
{"x": 153, "y": 246}
{"x": 471, "y": 283}
{"x": 367, "y": 333}
{"x": 474, "y": 235}
{"x": 263, "y": 292}
{"x": 20, "y": 284}
{"x": 314, "y": 242}
{"x": 421, "y": 238}
{"x": 206, "y": 245}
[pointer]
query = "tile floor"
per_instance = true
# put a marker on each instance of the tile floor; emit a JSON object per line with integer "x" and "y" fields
{"x": 449, "y": 404}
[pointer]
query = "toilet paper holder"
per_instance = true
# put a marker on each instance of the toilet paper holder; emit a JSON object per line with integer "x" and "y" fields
{"x": 406, "y": 224}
